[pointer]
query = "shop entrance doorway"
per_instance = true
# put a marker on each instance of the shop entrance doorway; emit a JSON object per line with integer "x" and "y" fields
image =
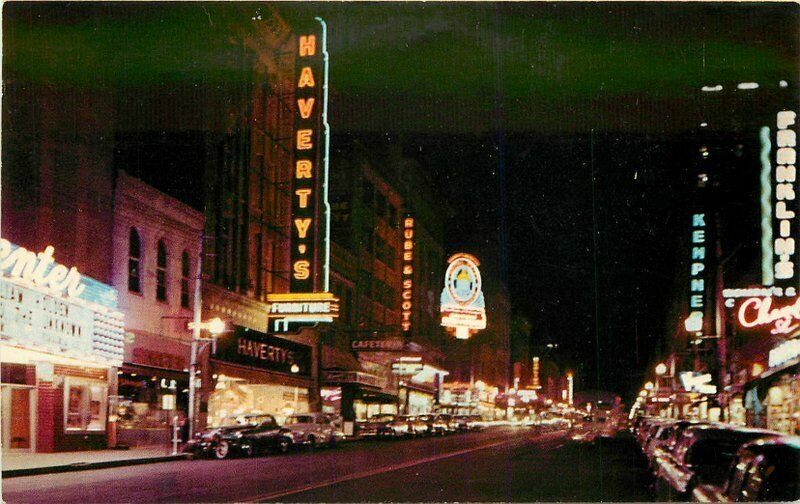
{"x": 18, "y": 418}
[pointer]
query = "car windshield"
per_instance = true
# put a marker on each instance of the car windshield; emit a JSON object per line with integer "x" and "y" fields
{"x": 243, "y": 420}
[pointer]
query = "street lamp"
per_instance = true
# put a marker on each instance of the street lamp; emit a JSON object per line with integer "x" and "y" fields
{"x": 661, "y": 369}
{"x": 648, "y": 386}
{"x": 295, "y": 369}
{"x": 215, "y": 326}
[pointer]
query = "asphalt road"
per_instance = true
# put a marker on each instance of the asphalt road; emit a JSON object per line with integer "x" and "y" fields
{"x": 501, "y": 464}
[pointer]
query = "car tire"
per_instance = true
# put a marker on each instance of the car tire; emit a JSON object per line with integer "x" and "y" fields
{"x": 222, "y": 450}
{"x": 284, "y": 445}
{"x": 312, "y": 442}
{"x": 332, "y": 441}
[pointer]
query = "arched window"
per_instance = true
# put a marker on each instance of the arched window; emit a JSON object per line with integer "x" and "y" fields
{"x": 134, "y": 262}
{"x": 185, "y": 273}
{"x": 161, "y": 271}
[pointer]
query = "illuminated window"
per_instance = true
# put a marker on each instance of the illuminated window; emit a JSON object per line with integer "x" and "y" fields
{"x": 185, "y": 269}
{"x": 85, "y": 404}
{"x": 161, "y": 271}
{"x": 134, "y": 262}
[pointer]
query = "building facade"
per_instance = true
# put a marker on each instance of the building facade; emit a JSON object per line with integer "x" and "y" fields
{"x": 156, "y": 245}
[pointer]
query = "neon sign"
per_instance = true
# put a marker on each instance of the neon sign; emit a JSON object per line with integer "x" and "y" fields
{"x": 696, "y": 275}
{"x": 40, "y": 269}
{"x": 462, "y": 304}
{"x": 756, "y": 312}
{"x": 302, "y": 307}
{"x": 785, "y": 178}
{"x": 408, "y": 274}
{"x": 310, "y": 223}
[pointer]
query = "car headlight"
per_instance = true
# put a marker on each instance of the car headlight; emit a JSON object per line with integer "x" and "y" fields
{"x": 238, "y": 435}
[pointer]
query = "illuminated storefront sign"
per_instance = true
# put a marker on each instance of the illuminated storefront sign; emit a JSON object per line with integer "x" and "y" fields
{"x": 757, "y": 312}
{"x": 254, "y": 348}
{"x": 784, "y": 352}
{"x": 462, "y": 304}
{"x": 697, "y": 382}
{"x": 696, "y": 274}
{"x": 48, "y": 307}
{"x": 377, "y": 345}
{"x": 408, "y": 274}
{"x": 785, "y": 178}
{"x": 312, "y": 307}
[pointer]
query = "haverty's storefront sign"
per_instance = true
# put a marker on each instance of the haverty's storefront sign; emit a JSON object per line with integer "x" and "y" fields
{"x": 256, "y": 349}
{"x": 462, "y": 304}
{"x": 53, "y": 309}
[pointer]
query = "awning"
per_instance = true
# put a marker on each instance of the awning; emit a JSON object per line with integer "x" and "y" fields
{"x": 376, "y": 397}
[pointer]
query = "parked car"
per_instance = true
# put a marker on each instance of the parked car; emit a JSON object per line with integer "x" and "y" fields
{"x": 241, "y": 434}
{"x": 437, "y": 424}
{"x": 399, "y": 426}
{"x": 416, "y": 426}
{"x": 702, "y": 456}
{"x": 764, "y": 470}
{"x": 448, "y": 420}
{"x": 311, "y": 429}
{"x": 374, "y": 426}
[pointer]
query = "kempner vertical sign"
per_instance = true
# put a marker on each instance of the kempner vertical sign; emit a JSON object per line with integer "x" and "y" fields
{"x": 309, "y": 299}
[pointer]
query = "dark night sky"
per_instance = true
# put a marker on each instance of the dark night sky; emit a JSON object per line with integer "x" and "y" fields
{"x": 541, "y": 122}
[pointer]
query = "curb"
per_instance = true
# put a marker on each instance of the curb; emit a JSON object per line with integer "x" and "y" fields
{"x": 84, "y": 466}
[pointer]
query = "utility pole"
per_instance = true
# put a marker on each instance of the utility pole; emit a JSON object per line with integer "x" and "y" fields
{"x": 198, "y": 306}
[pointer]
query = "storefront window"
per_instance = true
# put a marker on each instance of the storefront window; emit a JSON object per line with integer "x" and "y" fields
{"x": 85, "y": 405}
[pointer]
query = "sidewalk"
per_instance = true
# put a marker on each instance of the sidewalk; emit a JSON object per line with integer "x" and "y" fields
{"x": 27, "y": 464}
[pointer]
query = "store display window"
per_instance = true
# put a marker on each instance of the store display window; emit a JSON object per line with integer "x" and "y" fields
{"x": 85, "y": 404}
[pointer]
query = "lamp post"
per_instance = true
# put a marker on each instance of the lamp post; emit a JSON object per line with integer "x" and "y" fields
{"x": 295, "y": 369}
{"x": 214, "y": 326}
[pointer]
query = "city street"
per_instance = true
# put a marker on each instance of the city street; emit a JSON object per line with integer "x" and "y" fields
{"x": 499, "y": 464}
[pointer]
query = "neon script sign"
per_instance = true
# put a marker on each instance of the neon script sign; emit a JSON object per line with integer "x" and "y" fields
{"x": 408, "y": 273}
{"x": 40, "y": 269}
{"x": 758, "y": 312}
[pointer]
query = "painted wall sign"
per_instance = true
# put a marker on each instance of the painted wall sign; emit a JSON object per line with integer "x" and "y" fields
{"x": 785, "y": 206}
{"x": 760, "y": 312}
{"x": 462, "y": 305}
{"x": 256, "y": 349}
{"x": 407, "y": 300}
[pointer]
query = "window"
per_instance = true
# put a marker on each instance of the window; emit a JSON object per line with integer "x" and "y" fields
{"x": 134, "y": 262}
{"x": 161, "y": 271}
{"x": 85, "y": 404}
{"x": 185, "y": 269}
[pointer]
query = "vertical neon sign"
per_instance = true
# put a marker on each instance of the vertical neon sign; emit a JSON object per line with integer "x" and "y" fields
{"x": 311, "y": 144}
{"x": 785, "y": 178}
{"x": 408, "y": 274}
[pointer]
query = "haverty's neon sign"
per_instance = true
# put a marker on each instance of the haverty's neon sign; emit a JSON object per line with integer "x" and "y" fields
{"x": 758, "y": 312}
{"x": 39, "y": 269}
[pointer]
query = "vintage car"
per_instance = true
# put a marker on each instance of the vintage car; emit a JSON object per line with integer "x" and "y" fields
{"x": 764, "y": 470}
{"x": 311, "y": 429}
{"x": 241, "y": 434}
{"x": 701, "y": 456}
{"x": 375, "y": 425}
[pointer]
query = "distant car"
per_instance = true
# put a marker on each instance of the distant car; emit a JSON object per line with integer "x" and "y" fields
{"x": 462, "y": 422}
{"x": 702, "y": 456}
{"x": 311, "y": 429}
{"x": 449, "y": 421}
{"x": 764, "y": 470}
{"x": 399, "y": 426}
{"x": 374, "y": 426}
{"x": 242, "y": 434}
{"x": 416, "y": 426}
